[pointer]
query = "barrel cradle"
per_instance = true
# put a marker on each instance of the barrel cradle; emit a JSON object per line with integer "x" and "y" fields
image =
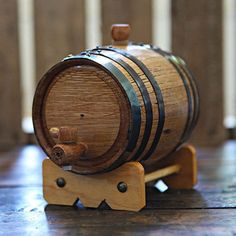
{"x": 94, "y": 111}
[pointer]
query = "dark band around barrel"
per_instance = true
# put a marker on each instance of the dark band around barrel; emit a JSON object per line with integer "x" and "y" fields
{"x": 145, "y": 95}
{"x": 127, "y": 87}
{"x": 157, "y": 91}
{"x": 168, "y": 56}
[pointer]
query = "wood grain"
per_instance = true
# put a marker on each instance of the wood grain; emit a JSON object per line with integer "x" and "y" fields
{"x": 210, "y": 207}
{"x": 120, "y": 33}
{"x": 89, "y": 99}
{"x": 174, "y": 97}
{"x": 80, "y": 98}
{"x": 10, "y": 95}
{"x": 93, "y": 190}
{"x": 197, "y": 37}
{"x": 60, "y": 30}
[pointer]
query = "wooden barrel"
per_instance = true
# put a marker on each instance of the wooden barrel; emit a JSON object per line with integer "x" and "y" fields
{"x": 94, "y": 111}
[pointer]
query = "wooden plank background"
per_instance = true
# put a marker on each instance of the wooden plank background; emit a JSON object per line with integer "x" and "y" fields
{"x": 60, "y": 29}
{"x": 197, "y": 37}
{"x": 10, "y": 96}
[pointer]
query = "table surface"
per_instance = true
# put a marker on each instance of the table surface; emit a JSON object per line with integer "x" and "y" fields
{"x": 209, "y": 209}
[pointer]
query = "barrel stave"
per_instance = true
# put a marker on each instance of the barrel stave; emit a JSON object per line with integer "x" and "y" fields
{"x": 146, "y": 105}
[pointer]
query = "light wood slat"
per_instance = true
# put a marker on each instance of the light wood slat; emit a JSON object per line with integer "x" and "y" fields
{"x": 135, "y": 12}
{"x": 10, "y": 100}
{"x": 197, "y": 37}
{"x": 60, "y": 30}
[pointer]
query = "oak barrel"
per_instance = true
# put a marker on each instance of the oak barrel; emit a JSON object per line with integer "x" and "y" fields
{"x": 94, "y": 111}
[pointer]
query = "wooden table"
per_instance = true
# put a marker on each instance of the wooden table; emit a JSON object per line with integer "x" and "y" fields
{"x": 209, "y": 209}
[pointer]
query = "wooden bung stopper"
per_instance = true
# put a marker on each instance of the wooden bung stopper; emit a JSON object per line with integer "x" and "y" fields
{"x": 68, "y": 134}
{"x": 54, "y": 132}
{"x": 120, "y": 34}
{"x": 64, "y": 134}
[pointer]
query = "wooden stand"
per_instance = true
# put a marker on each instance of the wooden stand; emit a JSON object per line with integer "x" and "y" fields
{"x": 122, "y": 188}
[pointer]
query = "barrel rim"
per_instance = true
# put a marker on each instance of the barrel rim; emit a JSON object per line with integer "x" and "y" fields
{"x": 38, "y": 103}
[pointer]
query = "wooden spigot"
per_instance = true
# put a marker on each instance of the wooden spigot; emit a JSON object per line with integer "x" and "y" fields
{"x": 120, "y": 34}
{"x": 67, "y": 150}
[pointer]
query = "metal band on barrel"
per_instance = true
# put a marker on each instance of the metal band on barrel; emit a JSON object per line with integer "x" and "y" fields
{"x": 193, "y": 85}
{"x": 145, "y": 95}
{"x": 168, "y": 56}
{"x": 157, "y": 92}
{"x": 133, "y": 99}
{"x": 191, "y": 79}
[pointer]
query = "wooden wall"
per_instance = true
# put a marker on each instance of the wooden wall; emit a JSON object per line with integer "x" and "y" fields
{"x": 60, "y": 29}
{"x": 10, "y": 99}
{"x": 197, "y": 37}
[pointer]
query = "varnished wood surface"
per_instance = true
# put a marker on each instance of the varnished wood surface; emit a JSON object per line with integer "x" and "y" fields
{"x": 85, "y": 97}
{"x": 209, "y": 209}
{"x": 93, "y": 189}
{"x": 81, "y": 98}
